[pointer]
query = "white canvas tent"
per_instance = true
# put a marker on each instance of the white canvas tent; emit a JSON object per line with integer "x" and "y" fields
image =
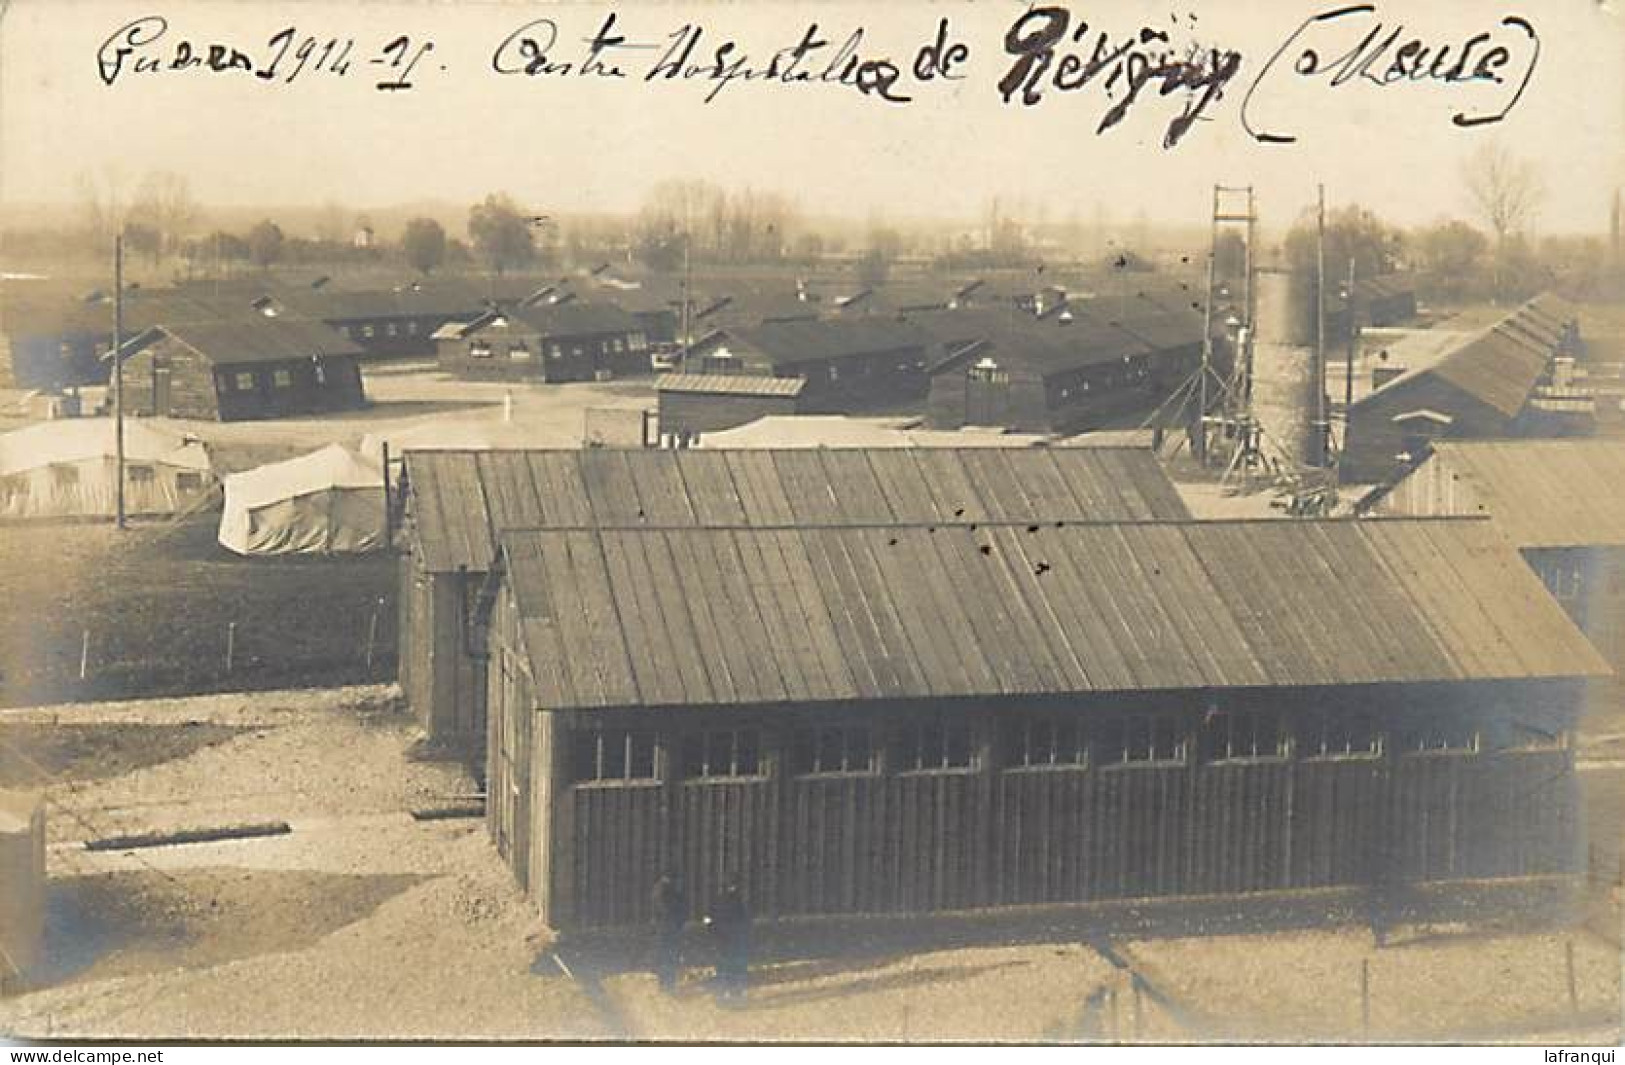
{"x": 327, "y": 502}
{"x": 68, "y": 469}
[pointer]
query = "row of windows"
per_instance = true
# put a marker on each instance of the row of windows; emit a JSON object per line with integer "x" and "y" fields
{"x": 248, "y": 381}
{"x": 519, "y": 350}
{"x": 369, "y": 331}
{"x": 1026, "y": 743}
{"x": 67, "y": 476}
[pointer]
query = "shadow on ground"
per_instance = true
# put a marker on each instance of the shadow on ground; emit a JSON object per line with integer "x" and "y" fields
{"x": 108, "y": 925}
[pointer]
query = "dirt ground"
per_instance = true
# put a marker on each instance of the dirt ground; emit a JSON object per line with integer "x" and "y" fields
{"x": 151, "y": 611}
{"x": 362, "y": 922}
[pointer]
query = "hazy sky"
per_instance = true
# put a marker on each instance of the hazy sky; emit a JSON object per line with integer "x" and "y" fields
{"x": 568, "y": 142}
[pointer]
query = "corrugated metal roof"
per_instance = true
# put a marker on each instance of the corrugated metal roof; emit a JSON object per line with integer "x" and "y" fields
{"x": 700, "y": 617}
{"x": 1545, "y": 493}
{"x": 462, "y": 500}
{"x": 730, "y": 384}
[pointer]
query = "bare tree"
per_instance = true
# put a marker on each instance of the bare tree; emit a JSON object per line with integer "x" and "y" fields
{"x": 1506, "y": 191}
{"x": 101, "y": 199}
{"x": 333, "y": 222}
{"x": 164, "y": 203}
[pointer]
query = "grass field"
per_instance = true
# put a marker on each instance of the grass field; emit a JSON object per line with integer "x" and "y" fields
{"x": 151, "y": 611}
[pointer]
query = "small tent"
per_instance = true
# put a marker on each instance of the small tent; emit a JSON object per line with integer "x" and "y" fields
{"x": 69, "y": 469}
{"x": 327, "y": 502}
{"x": 22, "y": 885}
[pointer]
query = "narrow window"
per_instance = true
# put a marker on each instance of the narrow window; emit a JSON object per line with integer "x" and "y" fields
{"x": 1244, "y": 735}
{"x": 935, "y": 747}
{"x": 1044, "y": 743}
{"x": 833, "y": 750}
{"x": 720, "y": 754}
{"x": 1329, "y": 734}
{"x": 1140, "y": 739}
{"x": 614, "y": 756}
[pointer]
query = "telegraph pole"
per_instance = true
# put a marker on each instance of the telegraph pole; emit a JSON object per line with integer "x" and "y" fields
{"x": 118, "y": 376}
{"x": 1321, "y": 428}
{"x": 1348, "y": 373}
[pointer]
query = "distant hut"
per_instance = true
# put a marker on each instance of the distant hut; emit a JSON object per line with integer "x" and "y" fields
{"x": 22, "y": 885}
{"x": 1488, "y": 386}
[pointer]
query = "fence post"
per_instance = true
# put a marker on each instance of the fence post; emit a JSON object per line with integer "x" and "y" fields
{"x": 1365, "y": 995}
{"x": 1568, "y": 965}
{"x": 231, "y": 643}
{"x": 84, "y": 655}
{"x": 1139, "y": 1017}
{"x": 372, "y": 630}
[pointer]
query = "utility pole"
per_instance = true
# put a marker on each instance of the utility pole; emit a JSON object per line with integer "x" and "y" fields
{"x": 118, "y": 376}
{"x": 1348, "y": 373}
{"x": 1321, "y": 429}
{"x": 688, "y": 302}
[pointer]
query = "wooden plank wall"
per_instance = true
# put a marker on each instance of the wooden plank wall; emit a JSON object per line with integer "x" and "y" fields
{"x": 917, "y": 842}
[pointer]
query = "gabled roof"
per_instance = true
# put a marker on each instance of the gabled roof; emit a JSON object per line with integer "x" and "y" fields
{"x": 1043, "y": 347}
{"x": 786, "y": 342}
{"x": 1425, "y": 414}
{"x": 252, "y": 338}
{"x": 1498, "y": 366}
{"x": 70, "y": 440}
{"x": 575, "y": 319}
{"x": 461, "y": 501}
{"x": 1545, "y": 493}
{"x": 705, "y": 617}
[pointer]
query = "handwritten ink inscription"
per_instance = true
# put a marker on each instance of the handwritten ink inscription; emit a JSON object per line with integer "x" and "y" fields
{"x": 1329, "y": 47}
{"x": 143, "y": 47}
{"x": 1124, "y": 67}
{"x": 693, "y": 52}
{"x": 1047, "y": 53}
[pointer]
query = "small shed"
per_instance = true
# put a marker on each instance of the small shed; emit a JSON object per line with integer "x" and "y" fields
{"x": 328, "y": 502}
{"x": 22, "y": 885}
{"x": 69, "y": 469}
{"x": 695, "y": 403}
{"x": 849, "y": 364}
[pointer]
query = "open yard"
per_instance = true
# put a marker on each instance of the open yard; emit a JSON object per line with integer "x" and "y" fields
{"x": 155, "y": 610}
{"x": 160, "y": 609}
{"x": 362, "y": 922}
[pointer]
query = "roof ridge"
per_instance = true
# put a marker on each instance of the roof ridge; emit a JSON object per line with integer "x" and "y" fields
{"x": 1036, "y": 523}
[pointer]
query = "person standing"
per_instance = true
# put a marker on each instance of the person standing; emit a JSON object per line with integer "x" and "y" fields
{"x": 670, "y": 909}
{"x": 730, "y": 922}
